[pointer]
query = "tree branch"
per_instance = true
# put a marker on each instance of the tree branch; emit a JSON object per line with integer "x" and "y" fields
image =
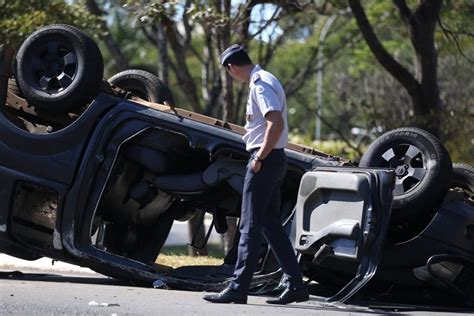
{"x": 182, "y": 72}
{"x": 272, "y": 19}
{"x": 404, "y": 10}
{"x": 114, "y": 49}
{"x": 401, "y": 74}
{"x": 450, "y": 35}
{"x": 187, "y": 27}
{"x": 150, "y": 37}
{"x": 245, "y": 11}
{"x": 331, "y": 127}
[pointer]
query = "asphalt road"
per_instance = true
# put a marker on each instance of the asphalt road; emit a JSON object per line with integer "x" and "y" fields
{"x": 53, "y": 294}
{"x": 44, "y": 289}
{"x": 42, "y": 293}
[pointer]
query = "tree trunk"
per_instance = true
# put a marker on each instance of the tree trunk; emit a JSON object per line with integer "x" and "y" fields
{"x": 223, "y": 41}
{"x": 163, "y": 59}
{"x": 183, "y": 75}
{"x": 196, "y": 229}
{"x": 119, "y": 58}
{"x": 422, "y": 30}
{"x": 228, "y": 114}
{"x": 229, "y": 235}
{"x": 211, "y": 78}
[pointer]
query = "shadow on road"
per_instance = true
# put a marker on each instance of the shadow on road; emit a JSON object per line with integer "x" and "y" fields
{"x": 48, "y": 277}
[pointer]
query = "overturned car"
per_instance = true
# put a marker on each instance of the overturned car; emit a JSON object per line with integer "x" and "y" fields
{"x": 95, "y": 173}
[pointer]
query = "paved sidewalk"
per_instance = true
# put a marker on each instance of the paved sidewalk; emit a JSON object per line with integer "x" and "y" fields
{"x": 8, "y": 263}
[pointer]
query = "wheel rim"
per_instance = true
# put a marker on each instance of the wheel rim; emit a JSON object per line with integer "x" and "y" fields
{"x": 409, "y": 164}
{"x": 53, "y": 66}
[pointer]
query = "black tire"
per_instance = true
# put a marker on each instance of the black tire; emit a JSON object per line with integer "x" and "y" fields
{"x": 463, "y": 178}
{"x": 59, "y": 69}
{"x": 422, "y": 166}
{"x": 144, "y": 85}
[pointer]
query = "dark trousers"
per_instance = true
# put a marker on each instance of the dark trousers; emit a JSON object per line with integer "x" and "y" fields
{"x": 260, "y": 216}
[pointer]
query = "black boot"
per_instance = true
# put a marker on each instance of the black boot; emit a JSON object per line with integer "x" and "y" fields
{"x": 227, "y": 296}
{"x": 290, "y": 296}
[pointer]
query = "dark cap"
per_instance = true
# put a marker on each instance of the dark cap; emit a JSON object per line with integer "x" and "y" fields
{"x": 231, "y": 50}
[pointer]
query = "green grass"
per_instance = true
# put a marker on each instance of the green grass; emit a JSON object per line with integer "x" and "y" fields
{"x": 177, "y": 256}
{"x": 215, "y": 250}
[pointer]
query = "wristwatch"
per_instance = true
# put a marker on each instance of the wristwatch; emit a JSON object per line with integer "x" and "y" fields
{"x": 257, "y": 158}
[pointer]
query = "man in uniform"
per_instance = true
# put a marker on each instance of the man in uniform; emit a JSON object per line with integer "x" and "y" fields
{"x": 266, "y": 137}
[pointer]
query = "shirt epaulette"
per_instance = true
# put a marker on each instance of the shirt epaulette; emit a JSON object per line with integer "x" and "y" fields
{"x": 256, "y": 77}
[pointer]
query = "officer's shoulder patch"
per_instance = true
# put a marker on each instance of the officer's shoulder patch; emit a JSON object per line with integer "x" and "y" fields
{"x": 255, "y": 77}
{"x": 260, "y": 89}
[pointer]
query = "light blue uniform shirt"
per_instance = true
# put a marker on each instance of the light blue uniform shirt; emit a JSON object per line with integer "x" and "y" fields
{"x": 265, "y": 94}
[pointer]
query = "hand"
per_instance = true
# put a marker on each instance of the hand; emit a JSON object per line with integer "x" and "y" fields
{"x": 256, "y": 166}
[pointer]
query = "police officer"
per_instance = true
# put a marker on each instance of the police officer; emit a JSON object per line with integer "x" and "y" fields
{"x": 266, "y": 137}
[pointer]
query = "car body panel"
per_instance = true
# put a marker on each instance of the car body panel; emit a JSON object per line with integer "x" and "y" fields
{"x": 76, "y": 163}
{"x": 344, "y": 213}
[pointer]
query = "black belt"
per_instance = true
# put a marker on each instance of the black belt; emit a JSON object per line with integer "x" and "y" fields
{"x": 254, "y": 150}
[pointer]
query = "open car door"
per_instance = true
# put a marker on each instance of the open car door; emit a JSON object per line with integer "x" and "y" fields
{"x": 343, "y": 213}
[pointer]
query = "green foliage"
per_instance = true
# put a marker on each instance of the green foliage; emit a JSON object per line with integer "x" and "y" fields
{"x": 461, "y": 149}
{"x": 138, "y": 51}
{"x": 457, "y": 18}
{"x": 363, "y": 60}
{"x": 19, "y": 18}
{"x": 153, "y": 11}
{"x": 208, "y": 17}
{"x": 333, "y": 147}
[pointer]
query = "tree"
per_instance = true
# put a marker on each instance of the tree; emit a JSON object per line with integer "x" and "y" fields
{"x": 19, "y": 18}
{"x": 114, "y": 49}
{"x": 359, "y": 92}
{"x": 422, "y": 86}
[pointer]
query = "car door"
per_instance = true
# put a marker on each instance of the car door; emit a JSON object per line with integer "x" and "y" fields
{"x": 344, "y": 213}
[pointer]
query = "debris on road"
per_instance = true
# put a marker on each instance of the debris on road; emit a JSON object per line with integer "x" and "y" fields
{"x": 94, "y": 303}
